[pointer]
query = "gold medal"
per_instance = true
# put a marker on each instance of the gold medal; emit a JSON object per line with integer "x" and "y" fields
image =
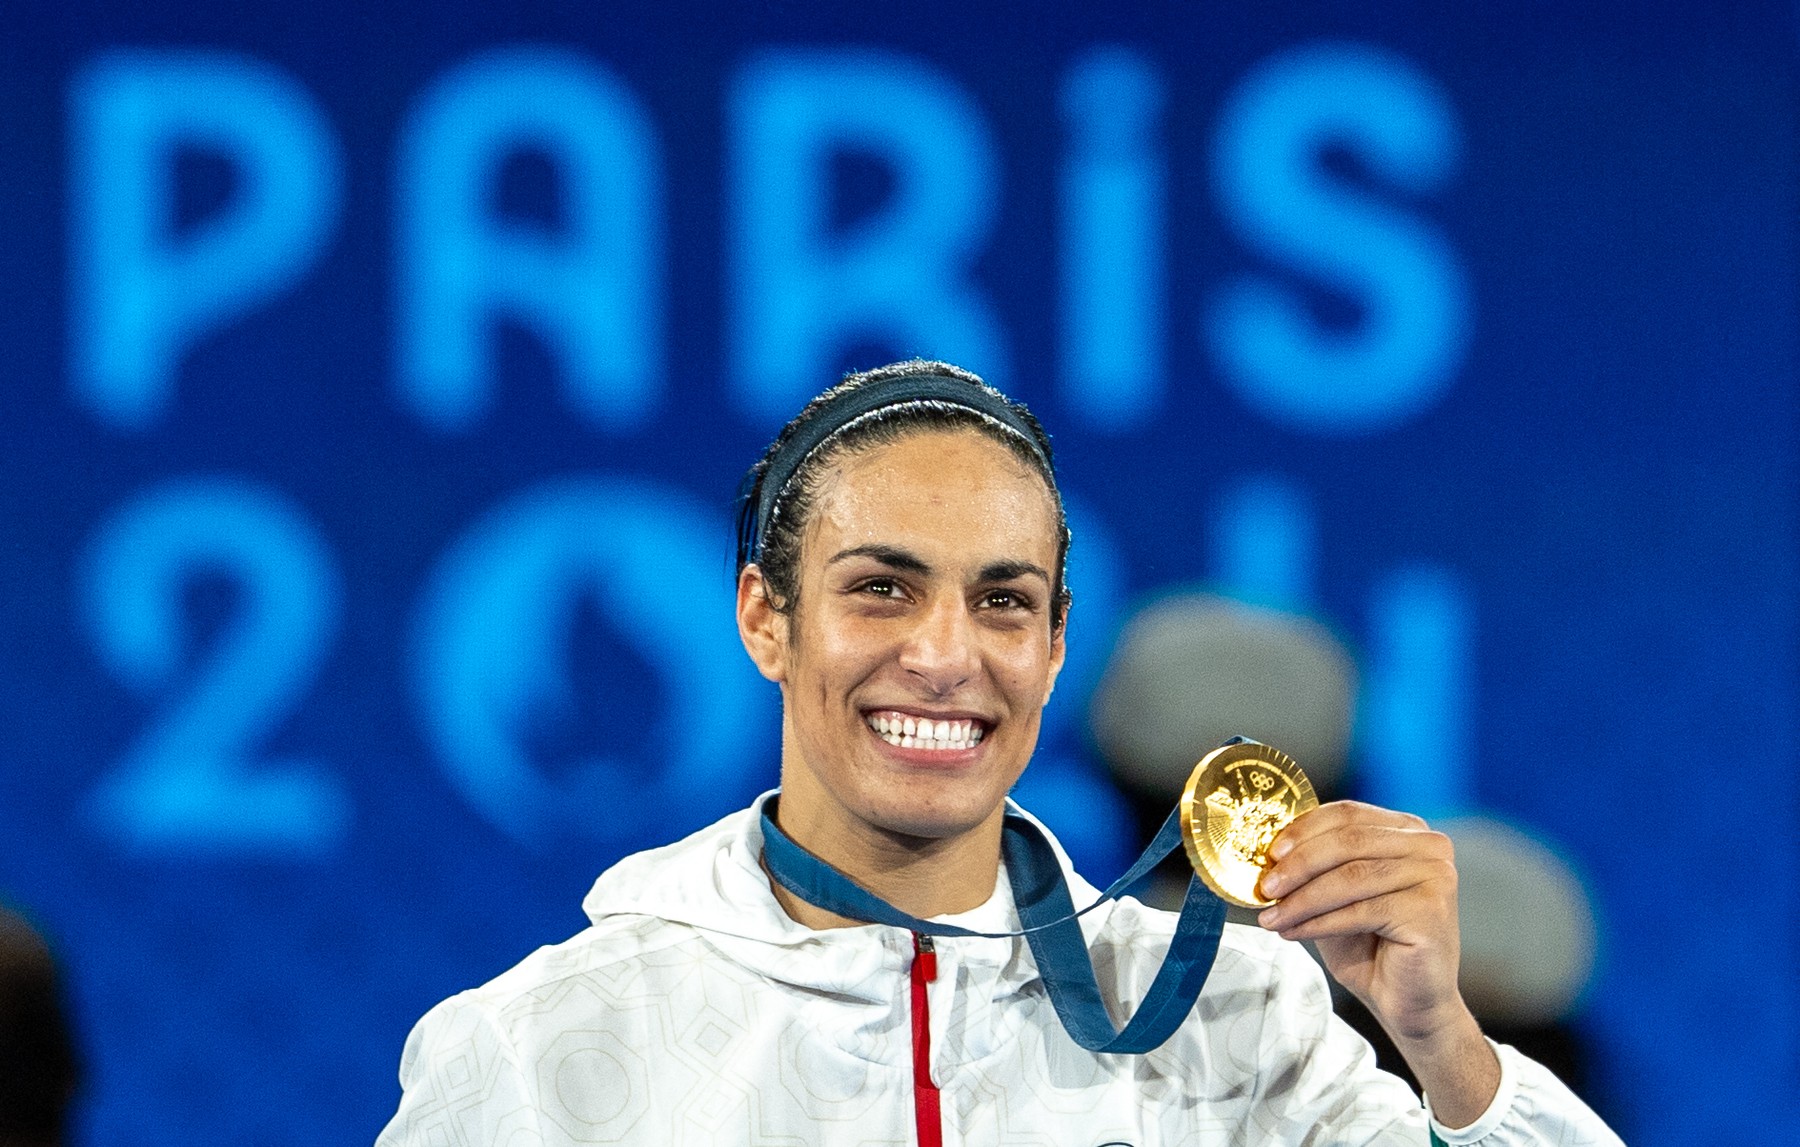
{"x": 1238, "y": 798}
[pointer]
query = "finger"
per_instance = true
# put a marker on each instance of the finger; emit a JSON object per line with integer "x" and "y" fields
{"x": 1308, "y": 858}
{"x": 1335, "y": 816}
{"x": 1394, "y": 916}
{"x": 1365, "y": 879}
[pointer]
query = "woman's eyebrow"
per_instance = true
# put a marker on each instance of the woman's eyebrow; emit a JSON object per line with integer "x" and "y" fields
{"x": 891, "y": 556}
{"x": 1008, "y": 570}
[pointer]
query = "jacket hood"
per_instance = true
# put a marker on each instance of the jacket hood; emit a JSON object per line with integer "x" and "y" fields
{"x": 713, "y": 882}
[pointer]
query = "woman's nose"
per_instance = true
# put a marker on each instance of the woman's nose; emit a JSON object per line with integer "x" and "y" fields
{"x": 940, "y": 651}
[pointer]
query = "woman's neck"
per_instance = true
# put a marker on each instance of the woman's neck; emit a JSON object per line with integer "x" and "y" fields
{"x": 922, "y": 877}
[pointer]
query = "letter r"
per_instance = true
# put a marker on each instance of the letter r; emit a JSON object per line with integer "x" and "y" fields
{"x": 802, "y": 292}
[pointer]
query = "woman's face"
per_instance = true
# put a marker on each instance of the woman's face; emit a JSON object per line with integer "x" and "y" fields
{"x": 919, "y": 653}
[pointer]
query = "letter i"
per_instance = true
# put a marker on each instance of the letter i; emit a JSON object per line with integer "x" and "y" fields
{"x": 1112, "y": 277}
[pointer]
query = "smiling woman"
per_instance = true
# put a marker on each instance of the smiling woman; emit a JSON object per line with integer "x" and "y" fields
{"x": 901, "y": 555}
{"x": 923, "y": 601}
{"x": 900, "y": 577}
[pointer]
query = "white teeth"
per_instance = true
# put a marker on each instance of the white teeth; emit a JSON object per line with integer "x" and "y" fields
{"x": 926, "y": 733}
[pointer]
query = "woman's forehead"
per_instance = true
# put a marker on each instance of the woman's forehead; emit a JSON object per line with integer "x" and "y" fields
{"x": 935, "y": 487}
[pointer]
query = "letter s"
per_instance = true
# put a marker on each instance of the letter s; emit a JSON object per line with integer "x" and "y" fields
{"x": 1275, "y": 192}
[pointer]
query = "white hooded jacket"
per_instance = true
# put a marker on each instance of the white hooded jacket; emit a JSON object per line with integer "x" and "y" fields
{"x": 695, "y": 1011}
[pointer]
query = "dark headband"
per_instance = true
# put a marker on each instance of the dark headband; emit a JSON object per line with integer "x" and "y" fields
{"x": 853, "y": 404}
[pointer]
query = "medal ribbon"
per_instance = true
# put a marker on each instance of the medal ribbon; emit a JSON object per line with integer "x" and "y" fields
{"x": 1050, "y": 924}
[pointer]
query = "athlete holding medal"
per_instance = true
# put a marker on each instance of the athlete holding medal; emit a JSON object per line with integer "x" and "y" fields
{"x": 902, "y": 548}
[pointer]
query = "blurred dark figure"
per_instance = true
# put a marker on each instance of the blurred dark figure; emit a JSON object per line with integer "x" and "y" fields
{"x": 1192, "y": 669}
{"x": 38, "y": 1068}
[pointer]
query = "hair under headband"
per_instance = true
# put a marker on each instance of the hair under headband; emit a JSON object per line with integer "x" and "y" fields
{"x": 854, "y": 404}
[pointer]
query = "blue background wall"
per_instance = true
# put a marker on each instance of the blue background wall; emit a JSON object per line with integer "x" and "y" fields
{"x": 380, "y": 375}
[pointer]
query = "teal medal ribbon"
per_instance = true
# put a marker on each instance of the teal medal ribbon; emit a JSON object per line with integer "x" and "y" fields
{"x": 1050, "y": 924}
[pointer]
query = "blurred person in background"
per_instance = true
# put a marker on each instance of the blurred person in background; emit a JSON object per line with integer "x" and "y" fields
{"x": 1194, "y": 667}
{"x": 38, "y": 1069}
{"x": 902, "y": 550}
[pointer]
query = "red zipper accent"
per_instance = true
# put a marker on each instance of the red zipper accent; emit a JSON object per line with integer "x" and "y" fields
{"x": 926, "y": 1112}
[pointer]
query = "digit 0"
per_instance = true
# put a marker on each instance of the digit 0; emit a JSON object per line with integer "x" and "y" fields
{"x": 491, "y": 654}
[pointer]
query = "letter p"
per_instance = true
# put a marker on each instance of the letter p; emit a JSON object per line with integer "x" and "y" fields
{"x": 143, "y": 294}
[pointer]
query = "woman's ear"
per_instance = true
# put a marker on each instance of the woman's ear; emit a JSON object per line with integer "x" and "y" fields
{"x": 1058, "y": 651}
{"x": 763, "y": 631}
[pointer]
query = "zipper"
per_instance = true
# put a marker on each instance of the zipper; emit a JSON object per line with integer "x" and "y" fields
{"x": 926, "y": 1112}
